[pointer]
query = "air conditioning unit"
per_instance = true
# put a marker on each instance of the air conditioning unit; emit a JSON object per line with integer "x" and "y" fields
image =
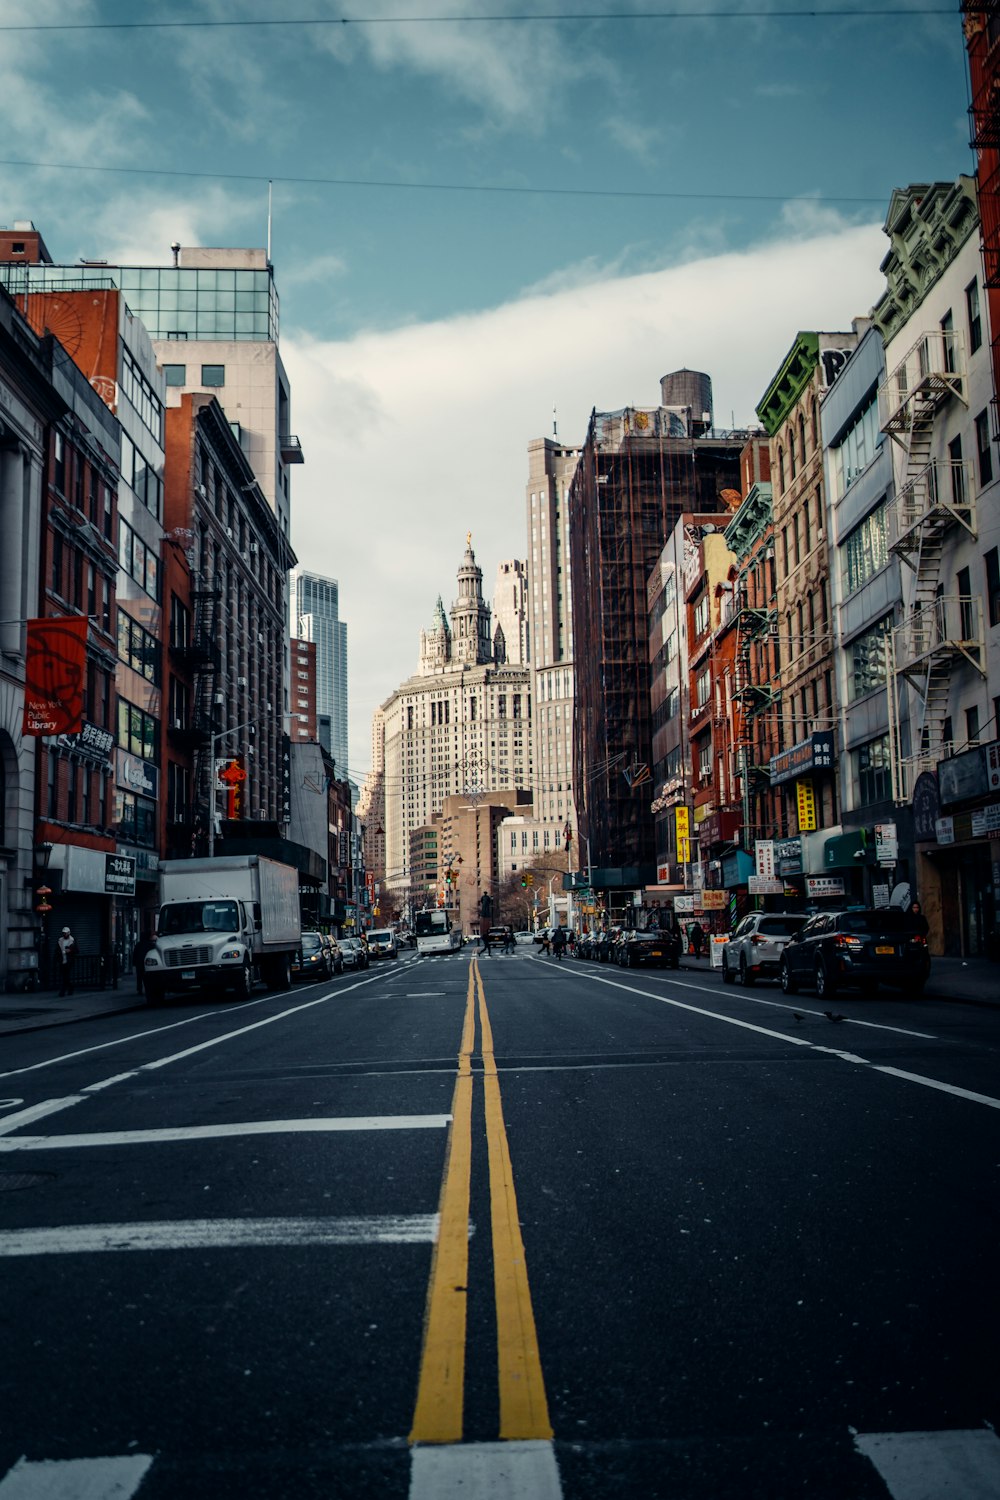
{"x": 241, "y": 682}
{"x": 254, "y": 547}
{"x": 229, "y": 532}
{"x": 202, "y": 491}
{"x": 260, "y": 638}
{"x": 220, "y": 698}
{"x": 178, "y": 723}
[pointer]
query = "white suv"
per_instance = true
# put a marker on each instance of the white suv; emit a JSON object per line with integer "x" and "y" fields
{"x": 755, "y": 948}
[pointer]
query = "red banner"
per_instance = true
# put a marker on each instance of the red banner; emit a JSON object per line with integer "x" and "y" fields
{"x": 55, "y": 675}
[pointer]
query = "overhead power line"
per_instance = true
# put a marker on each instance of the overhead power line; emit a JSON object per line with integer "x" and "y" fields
{"x": 447, "y": 187}
{"x": 547, "y": 16}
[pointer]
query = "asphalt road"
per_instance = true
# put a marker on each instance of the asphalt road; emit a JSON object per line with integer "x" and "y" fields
{"x": 502, "y": 1227}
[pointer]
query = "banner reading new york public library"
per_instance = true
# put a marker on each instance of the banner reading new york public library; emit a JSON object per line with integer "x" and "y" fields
{"x": 55, "y": 675}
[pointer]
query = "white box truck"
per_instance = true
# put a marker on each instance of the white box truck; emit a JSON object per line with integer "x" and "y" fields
{"x": 223, "y": 924}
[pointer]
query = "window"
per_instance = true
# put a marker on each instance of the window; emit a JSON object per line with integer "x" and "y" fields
{"x": 856, "y": 449}
{"x": 865, "y": 550}
{"x": 984, "y": 447}
{"x": 974, "y": 315}
{"x": 175, "y": 374}
{"x": 957, "y": 471}
{"x": 701, "y": 615}
{"x": 138, "y": 561}
{"x": 972, "y": 727}
{"x": 868, "y": 656}
{"x": 214, "y": 375}
{"x": 147, "y": 404}
{"x": 992, "y": 562}
{"x": 873, "y": 781}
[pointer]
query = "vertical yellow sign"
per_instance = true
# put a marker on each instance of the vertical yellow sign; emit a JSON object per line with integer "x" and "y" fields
{"x": 682, "y": 828}
{"x": 806, "y": 806}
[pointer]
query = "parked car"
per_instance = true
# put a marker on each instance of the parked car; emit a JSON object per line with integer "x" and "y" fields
{"x": 655, "y": 948}
{"x": 354, "y": 953}
{"x": 336, "y": 957}
{"x": 754, "y": 950}
{"x": 861, "y": 949}
{"x": 524, "y": 937}
{"x": 604, "y": 944}
{"x": 382, "y": 943}
{"x": 313, "y": 958}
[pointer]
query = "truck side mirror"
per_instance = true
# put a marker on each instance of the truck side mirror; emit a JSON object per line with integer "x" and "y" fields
{"x": 256, "y": 916}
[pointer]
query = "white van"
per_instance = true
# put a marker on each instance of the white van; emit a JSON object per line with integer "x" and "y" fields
{"x": 382, "y": 943}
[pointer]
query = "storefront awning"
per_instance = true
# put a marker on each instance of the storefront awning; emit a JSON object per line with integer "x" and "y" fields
{"x": 846, "y": 851}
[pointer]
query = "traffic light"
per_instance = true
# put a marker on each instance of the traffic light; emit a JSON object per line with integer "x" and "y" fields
{"x": 524, "y": 881}
{"x": 529, "y": 878}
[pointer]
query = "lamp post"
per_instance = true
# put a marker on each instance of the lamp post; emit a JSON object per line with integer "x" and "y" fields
{"x": 223, "y": 734}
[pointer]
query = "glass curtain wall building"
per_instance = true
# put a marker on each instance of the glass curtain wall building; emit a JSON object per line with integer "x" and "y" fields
{"x": 316, "y": 605}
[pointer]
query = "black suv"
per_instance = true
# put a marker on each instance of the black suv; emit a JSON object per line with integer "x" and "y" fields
{"x": 861, "y": 948}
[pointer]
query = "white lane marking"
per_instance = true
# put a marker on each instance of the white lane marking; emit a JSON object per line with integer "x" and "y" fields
{"x": 38, "y": 1112}
{"x": 484, "y": 1471}
{"x": 423, "y": 994}
{"x": 931, "y": 1465}
{"x": 75, "y": 1478}
{"x": 219, "y": 1234}
{"x": 799, "y": 1041}
{"x": 204, "y": 1015}
{"x": 217, "y": 1132}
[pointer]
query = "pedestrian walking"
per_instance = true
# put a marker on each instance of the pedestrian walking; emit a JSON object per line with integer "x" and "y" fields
{"x": 918, "y": 918}
{"x": 484, "y": 941}
{"x": 508, "y": 945}
{"x": 697, "y": 938}
{"x": 66, "y": 948}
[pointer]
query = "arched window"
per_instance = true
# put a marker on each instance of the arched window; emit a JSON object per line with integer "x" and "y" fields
{"x": 781, "y": 468}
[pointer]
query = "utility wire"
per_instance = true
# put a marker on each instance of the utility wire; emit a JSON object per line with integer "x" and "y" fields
{"x": 553, "y": 16}
{"x": 444, "y": 187}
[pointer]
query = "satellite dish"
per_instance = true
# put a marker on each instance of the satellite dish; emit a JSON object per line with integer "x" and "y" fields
{"x": 901, "y": 897}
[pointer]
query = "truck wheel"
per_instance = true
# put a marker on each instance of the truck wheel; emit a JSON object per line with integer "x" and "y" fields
{"x": 244, "y": 984}
{"x": 279, "y": 973}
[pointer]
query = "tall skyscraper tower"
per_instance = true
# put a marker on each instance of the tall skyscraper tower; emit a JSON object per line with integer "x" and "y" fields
{"x": 510, "y": 610}
{"x": 551, "y": 466}
{"x": 316, "y": 618}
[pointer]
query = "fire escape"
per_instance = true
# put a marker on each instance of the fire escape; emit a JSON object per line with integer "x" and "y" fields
{"x": 202, "y": 657}
{"x": 753, "y": 697}
{"x": 935, "y": 497}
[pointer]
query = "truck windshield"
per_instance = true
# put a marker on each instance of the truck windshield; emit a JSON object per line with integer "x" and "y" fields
{"x": 199, "y": 916}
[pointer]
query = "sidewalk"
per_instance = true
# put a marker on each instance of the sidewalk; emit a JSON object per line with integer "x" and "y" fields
{"x": 40, "y": 1009}
{"x": 973, "y": 981}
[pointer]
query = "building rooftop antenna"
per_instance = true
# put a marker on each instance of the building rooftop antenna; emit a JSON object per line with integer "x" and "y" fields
{"x": 555, "y": 424}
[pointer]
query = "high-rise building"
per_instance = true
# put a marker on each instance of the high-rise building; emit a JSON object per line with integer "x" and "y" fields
{"x": 461, "y": 724}
{"x": 639, "y": 471}
{"x": 510, "y": 610}
{"x": 316, "y": 618}
{"x": 551, "y": 466}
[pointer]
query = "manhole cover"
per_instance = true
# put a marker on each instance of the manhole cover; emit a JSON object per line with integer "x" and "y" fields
{"x": 11, "y": 1181}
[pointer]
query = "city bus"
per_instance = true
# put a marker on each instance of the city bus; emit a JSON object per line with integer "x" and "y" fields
{"x": 435, "y": 934}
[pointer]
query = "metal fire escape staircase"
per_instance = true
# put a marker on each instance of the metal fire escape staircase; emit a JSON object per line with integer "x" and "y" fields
{"x": 935, "y": 497}
{"x": 202, "y": 656}
{"x": 751, "y": 696}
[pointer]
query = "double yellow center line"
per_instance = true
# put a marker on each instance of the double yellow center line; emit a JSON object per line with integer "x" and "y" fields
{"x": 524, "y": 1410}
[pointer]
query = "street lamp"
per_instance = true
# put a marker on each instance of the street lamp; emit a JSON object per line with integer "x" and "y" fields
{"x": 223, "y": 734}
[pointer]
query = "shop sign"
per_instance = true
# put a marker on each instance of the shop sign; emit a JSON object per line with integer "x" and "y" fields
{"x": 663, "y": 874}
{"x": 788, "y": 856}
{"x": 714, "y": 900}
{"x": 993, "y": 766}
{"x": 886, "y": 843}
{"x": 92, "y": 741}
{"x": 684, "y": 903}
{"x": 926, "y": 807}
{"x": 944, "y": 830}
{"x": 764, "y": 858}
{"x": 824, "y": 885}
{"x": 762, "y": 885}
{"x": 963, "y": 776}
{"x": 986, "y": 820}
{"x": 119, "y": 875}
{"x": 806, "y": 806}
{"x": 682, "y": 829}
{"x": 880, "y": 895}
{"x": 813, "y": 754}
{"x": 137, "y": 775}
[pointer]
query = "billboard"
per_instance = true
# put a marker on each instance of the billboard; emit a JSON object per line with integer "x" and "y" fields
{"x": 55, "y": 678}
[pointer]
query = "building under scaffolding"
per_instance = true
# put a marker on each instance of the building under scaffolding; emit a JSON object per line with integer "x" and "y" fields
{"x": 640, "y": 469}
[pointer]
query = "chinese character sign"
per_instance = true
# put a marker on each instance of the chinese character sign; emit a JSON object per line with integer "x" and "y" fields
{"x": 55, "y": 675}
{"x": 764, "y": 858}
{"x": 682, "y": 827}
{"x": 806, "y": 804}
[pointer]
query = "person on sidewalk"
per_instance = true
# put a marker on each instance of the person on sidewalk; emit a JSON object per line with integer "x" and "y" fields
{"x": 484, "y": 941}
{"x": 139, "y": 952}
{"x": 697, "y": 938}
{"x": 66, "y": 958}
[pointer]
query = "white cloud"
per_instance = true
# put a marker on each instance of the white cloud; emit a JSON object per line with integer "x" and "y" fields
{"x": 415, "y": 436}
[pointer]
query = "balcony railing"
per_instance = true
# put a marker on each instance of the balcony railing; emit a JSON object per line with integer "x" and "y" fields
{"x": 927, "y": 376}
{"x": 940, "y": 496}
{"x": 952, "y": 625}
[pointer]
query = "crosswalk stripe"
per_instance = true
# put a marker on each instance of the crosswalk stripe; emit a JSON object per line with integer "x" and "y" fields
{"x": 219, "y": 1234}
{"x": 76, "y": 1478}
{"x": 215, "y": 1132}
{"x": 929, "y": 1465}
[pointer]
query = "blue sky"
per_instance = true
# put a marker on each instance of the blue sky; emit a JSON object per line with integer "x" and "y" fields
{"x": 702, "y": 187}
